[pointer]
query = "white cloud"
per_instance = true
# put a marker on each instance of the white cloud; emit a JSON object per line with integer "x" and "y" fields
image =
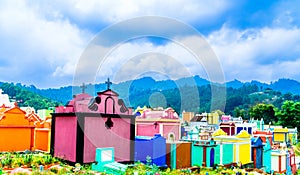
{"x": 48, "y": 37}
{"x": 41, "y": 42}
{"x": 114, "y": 11}
{"x": 132, "y": 59}
{"x": 287, "y": 69}
{"x": 286, "y": 14}
{"x": 257, "y": 53}
{"x": 175, "y": 59}
{"x": 30, "y": 41}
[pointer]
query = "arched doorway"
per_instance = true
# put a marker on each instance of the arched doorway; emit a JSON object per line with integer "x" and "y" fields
{"x": 109, "y": 105}
{"x": 171, "y": 137}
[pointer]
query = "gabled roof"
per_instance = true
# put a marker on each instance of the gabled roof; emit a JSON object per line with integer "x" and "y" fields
{"x": 257, "y": 141}
{"x": 243, "y": 134}
{"x": 262, "y": 132}
{"x": 16, "y": 117}
{"x": 281, "y": 130}
{"x": 219, "y": 132}
{"x": 33, "y": 117}
{"x": 197, "y": 118}
{"x": 231, "y": 124}
{"x": 170, "y": 109}
{"x": 15, "y": 109}
{"x": 108, "y": 92}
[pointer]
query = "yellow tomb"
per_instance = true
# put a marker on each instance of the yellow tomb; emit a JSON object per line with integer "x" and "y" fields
{"x": 241, "y": 145}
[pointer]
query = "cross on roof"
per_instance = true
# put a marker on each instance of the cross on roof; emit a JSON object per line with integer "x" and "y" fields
{"x": 108, "y": 83}
{"x": 83, "y": 87}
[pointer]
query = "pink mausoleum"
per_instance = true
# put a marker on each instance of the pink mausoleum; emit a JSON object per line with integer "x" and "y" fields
{"x": 87, "y": 123}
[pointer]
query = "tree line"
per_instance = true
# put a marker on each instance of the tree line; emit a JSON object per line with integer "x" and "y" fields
{"x": 248, "y": 101}
{"x": 25, "y": 98}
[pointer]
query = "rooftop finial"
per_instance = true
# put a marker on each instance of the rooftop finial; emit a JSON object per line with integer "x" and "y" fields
{"x": 83, "y": 87}
{"x": 108, "y": 84}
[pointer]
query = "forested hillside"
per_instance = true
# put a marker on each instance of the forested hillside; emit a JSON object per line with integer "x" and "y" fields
{"x": 189, "y": 94}
{"x": 238, "y": 100}
{"x": 25, "y": 97}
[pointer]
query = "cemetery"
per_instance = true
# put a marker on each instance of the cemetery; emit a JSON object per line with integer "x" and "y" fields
{"x": 101, "y": 134}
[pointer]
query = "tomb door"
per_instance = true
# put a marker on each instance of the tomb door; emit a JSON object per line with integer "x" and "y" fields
{"x": 212, "y": 157}
{"x": 109, "y": 105}
{"x": 259, "y": 157}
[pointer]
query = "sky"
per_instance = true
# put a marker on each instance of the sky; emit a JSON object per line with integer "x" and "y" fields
{"x": 49, "y": 44}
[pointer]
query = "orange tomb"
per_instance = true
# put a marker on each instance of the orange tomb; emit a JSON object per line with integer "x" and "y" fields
{"x": 16, "y": 130}
{"x": 20, "y": 131}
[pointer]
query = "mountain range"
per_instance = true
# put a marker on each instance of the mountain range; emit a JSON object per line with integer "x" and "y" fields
{"x": 63, "y": 94}
{"x": 190, "y": 93}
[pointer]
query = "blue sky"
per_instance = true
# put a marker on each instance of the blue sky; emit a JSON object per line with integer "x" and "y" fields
{"x": 41, "y": 42}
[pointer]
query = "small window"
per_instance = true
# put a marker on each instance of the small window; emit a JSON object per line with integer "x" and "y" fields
{"x": 171, "y": 137}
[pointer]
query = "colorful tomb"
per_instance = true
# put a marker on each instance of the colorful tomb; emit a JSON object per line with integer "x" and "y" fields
{"x": 283, "y": 161}
{"x": 293, "y": 135}
{"x": 225, "y": 118}
{"x": 87, "y": 123}
{"x": 223, "y": 150}
{"x": 16, "y": 130}
{"x": 187, "y": 116}
{"x": 105, "y": 163}
{"x": 21, "y": 128}
{"x": 281, "y": 135}
{"x": 228, "y": 127}
{"x": 43, "y": 135}
{"x": 213, "y": 118}
{"x": 178, "y": 154}
{"x": 293, "y": 164}
{"x": 264, "y": 135}
{"x": 267, "y": 155}
{"x": 249, "y": 127}
{"x": 260, "y": 124}
{"x": 240, "y": 144}
{"x": 150, "y": 148}
{"x": 204, "y": 153}
{"x": 279, "y": 161}
{"x": 159, "y": 121}
{"x": 257, "y": 152}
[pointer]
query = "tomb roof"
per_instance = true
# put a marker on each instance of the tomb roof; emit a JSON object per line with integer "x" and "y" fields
{"x": 108, "y": 92}
{"x": 219, "y": 132}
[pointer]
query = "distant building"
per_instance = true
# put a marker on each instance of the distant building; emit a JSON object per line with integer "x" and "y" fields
{"x": 225, "y": 118}
{"x": 28, "y": 110}
{"x": 4, "y": 100}
{"x": 44, "y": 113}
{"x": 201, "y": 126}
{"x": 213, "y": 118}
{"x": 159, "y": 121}
{"x": 228, "y": 128}
{"x": 187, "y": 116}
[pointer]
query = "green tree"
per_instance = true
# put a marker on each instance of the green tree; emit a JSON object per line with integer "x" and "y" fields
{"x": 265, "y": 111}
{"x": 289, "y": 114}
{"x": 238, "y": 112}
{"x": 297, "y": 149}
{"x": 220, "y": 113}
{"x": 25, "y": 97}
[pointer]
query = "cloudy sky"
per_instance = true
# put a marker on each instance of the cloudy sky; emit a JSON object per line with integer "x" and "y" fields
{"x": 45, "y": 43}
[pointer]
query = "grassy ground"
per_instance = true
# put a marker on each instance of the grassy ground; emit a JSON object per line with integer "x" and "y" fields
{"x": 43, "y": 164}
